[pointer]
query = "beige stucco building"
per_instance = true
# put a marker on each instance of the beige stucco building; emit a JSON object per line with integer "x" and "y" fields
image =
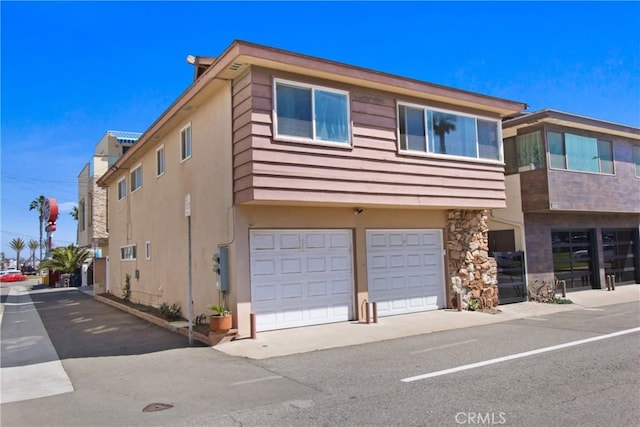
{"x": 329, "y": 185}
{"x": 92, "y": 199}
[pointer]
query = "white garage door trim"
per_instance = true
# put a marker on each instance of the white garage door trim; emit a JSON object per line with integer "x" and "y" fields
{"x": 301, "y": 277}
{"x": 405, "y": 270}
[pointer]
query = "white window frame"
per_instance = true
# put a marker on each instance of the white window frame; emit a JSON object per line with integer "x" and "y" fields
{"x": 636, "y": 159}
{"x": 147, "y": 250}
{"x": 122, "y": 193}
{"x": 160, "y": 161}
{"x": 131, "y": 175}
{"x": 184, "y": 144}
{"x": 128, "y": 252}
{"x": 346, "y": 145}
{"x": 428, "y": 153}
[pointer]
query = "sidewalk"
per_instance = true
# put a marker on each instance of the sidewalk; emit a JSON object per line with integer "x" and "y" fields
{"x": 300, "y": 340}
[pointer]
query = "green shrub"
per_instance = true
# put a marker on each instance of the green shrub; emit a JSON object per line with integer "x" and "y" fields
{"x": 126, "y": 289}
{"x": 171, "y": 312}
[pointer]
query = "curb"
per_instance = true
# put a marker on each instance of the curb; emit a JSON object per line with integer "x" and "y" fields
{"x": 156, "y": 321}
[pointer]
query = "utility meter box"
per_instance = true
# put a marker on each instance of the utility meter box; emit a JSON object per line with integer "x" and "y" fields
{"x": 221, "y": 267}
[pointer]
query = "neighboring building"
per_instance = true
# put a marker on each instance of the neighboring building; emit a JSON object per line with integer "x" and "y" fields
{"x": 92, "y": 199}
{"x": 329, "y": 185}
{"x": 573, "y": 197}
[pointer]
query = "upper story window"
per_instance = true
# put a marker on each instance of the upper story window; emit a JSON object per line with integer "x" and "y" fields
{"x": 128, "y": 252}
{"x": 580, "y": 153}
{"x": 424, "y": 130}
{"x": 160, "y": 161}
{"x": 636, "y": 158}
{"x": 524, "y": 152}
{"x": 122, "y": 188}
{"x": 81, "y": 224}
{"x": 311, "y": 113}
{"x": 136, "y": 178}
{"x": 185, "y": 142}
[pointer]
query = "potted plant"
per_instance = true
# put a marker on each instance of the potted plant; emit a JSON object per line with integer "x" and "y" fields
{"x": 221, "y": 320}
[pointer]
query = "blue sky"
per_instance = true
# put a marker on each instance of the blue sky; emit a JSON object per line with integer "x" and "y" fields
{"x": 70, "y": 71}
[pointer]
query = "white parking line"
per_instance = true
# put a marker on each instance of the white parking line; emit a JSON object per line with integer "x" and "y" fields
{"x": 257, "y": 380}
{"x": 518, "y": 355}
{"x": 443, "y": 346}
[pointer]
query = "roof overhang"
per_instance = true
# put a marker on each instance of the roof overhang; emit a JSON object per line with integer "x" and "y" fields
{"x": 240, "y": 55}
{"x": 510, "y": 127}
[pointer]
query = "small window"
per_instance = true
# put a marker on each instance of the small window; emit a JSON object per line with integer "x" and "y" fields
{"x": 81, "y": 224}
{"x": 185, "y": 142}
{"x": 136, "y": 178}
{"x": 147, "y": 250}
{"x": 160, "y": 161}
{"x": 636, "y": 158}
{"x": 122, "y": 188}
{"x": 557, "y": 158}
{"x": 128, "y": 252}
{"x": 529, "y": 151}
{"x": 311, "y": 113}
{"x": 90, "y": 210}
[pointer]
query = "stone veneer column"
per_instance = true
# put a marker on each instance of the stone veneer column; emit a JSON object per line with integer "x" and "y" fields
{"x": 473, "y": 273}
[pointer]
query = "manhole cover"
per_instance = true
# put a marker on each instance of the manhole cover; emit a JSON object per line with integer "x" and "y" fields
{"x": 153, "y": 407}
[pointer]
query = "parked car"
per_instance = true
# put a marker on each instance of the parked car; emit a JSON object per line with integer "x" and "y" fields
{"x": 28, "y": 269}
{"x": 9, "y": 271}
{"x": 13, "y": 276}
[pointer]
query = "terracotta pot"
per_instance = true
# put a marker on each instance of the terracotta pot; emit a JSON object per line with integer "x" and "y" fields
{"x": 220, "y": 324}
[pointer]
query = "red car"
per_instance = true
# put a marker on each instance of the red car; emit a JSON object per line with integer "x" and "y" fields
{"x": 13, "y": 277}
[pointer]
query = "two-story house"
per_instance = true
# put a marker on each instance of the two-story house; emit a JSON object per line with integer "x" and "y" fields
{"x": 327, "y": 185}
{"x": 92, "y": 230}
{"x": 573, "y": 199}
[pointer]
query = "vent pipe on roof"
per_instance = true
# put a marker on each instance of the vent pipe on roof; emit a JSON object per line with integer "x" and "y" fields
{"x": 201, "y": 64}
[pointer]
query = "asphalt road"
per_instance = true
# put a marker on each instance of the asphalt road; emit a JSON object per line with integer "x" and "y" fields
{"x": 117, "y": 373}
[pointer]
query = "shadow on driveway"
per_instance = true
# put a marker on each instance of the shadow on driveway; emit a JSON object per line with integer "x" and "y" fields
{"x": 79, "y": 327}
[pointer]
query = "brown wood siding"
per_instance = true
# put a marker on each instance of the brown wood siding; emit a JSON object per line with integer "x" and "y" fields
{"x": 370, "y": 172}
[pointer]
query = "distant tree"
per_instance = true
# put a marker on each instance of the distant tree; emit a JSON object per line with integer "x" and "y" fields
{"x": 442, "y": 125}
{"x": 33, "y": 245}
{"x": 74, "y": 213}
{"x": 66, "y": 259}
{"x": 17, "y": 245}
{"x": 38, "y": 204}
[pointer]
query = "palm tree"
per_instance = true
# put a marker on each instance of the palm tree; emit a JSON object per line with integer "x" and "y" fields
{"x": 33, "y": 245}
{"x": 38, "y": 204}
{"x": 17, "y": 245}
{"x": 442, "y": 125}
{"x": 66, "y": 260}
{"x": 74, "y": 213}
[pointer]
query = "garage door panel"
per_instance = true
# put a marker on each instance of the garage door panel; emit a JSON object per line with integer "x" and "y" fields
{"x": 341, "y": 263}
{"x": 406, "y": 273}
{"x": 311, "y": 283}
{"x": 317, "y": 264}
{"x": 264, "y": 267}
{"x": 291, "y": 266}
{"x": 290, "y": 241}
{"x": 340, "y": 241}
{"x": 291, "y": 290}
{"x": 263, "y": 242}
{"x": 315, "y": 241}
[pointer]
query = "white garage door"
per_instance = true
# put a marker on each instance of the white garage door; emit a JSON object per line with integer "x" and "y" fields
{"x": 405, "y": 270}
{"x": 301, "y": 277}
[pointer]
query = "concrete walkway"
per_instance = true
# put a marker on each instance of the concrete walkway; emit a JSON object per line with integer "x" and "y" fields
{"x": 311, "y": 338}
{"x": 29, "y": 358}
